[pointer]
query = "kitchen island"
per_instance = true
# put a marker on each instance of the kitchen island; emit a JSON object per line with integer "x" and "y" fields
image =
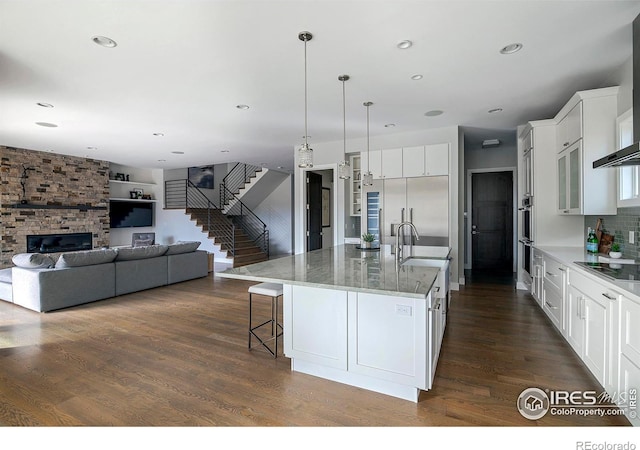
{"x": 360, "y": 317}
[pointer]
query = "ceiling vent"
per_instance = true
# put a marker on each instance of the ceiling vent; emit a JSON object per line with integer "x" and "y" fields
{"x": 490, "y": 143}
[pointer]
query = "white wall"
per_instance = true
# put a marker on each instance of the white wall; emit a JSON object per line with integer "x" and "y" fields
{"x": 275, "y": 212}
{"x": 328, "y": 154}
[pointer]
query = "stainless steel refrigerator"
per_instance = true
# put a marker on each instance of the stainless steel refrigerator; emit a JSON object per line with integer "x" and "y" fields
{"x": 424, "y": 201}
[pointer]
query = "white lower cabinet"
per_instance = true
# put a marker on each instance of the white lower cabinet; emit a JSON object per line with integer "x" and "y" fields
{"x": 629, "y": 373}
{"x": 384, "y": 343}
{"x": 553, "y": 290}
{"x": 591, "y": 326}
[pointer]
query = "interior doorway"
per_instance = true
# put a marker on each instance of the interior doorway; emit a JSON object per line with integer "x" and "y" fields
{"x": 319, "y": 208}
{"x": 491, "y": 227}
{"x": 314, "y": 211}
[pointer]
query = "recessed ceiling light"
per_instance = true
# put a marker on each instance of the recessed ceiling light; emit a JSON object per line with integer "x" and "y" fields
{"x": 390, "y": 125}
{"x": 242, "y": 106}
{"x": 433, "y": 113}
{"x": 178, "y": 153}
{"x": 511, "y": 48}
{"x": 162, "y": 160}
{"x": 224, "y": 151}
{"x": 494, "y": 110}
{"x": 45, "y": 105}
{"x": 92, "y": 148}
{"x": 47, "y": 124}
{"x": 280, "y": 167}
{"x": 416, "y": 77}
{"x": 104, "y": 41}
{"x": 158, "y": 134}
{"x": 403, "y": 45}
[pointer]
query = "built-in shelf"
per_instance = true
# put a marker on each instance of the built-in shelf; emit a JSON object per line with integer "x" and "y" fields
{"x": 142, "y": 200}
{"x": 80, "y": 207}
{"x": 132, "y": 182}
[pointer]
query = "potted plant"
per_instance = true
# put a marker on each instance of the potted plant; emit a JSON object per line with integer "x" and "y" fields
{"x": 367, "y": 240}
{"x": 615, "y": 251}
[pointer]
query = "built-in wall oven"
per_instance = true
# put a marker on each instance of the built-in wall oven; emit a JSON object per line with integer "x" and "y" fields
{"x": 527, "y": 234}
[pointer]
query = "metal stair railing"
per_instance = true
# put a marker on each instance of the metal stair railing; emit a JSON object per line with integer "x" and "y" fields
{"x": 183, "y": 194}
{"x": 245, "y": 219}
{"x": 239, "y": 176}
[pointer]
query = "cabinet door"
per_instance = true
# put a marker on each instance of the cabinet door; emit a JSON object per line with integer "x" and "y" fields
{"x": 575, "y": 319}
{"x": 375, "y": 163}
{"x": 437, "y": 159}
{"x": 527, "y": 142}
{"x": 388, "y": 338}
{"x": 570, "y": 127}
{"x": 570, "y": 180}
{"x": 413, "y": 162}
{"x": 527, "y": 164}
{"x": 596, "y": 331}
{"x": 392, "y": 163}
{"x": 562, "y": 182}
{"x": 629, "y": 382}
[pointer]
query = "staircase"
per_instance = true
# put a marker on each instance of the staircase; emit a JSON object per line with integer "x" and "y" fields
{"x": 231, "y": 239}
{"x": 239, "y": 232}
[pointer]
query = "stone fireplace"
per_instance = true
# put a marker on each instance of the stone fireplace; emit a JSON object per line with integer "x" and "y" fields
{"x": 63, "y": 195}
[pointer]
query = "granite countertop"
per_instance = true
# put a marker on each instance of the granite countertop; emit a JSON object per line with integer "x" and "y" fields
{"x": 569, "y": 255}
{"x": 345, "y": 267}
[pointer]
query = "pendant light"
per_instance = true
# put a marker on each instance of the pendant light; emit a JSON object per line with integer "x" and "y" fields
{"x": 367, "y": 178}
{"x": 344, "y": 169}
{"x": 305, "y": 153}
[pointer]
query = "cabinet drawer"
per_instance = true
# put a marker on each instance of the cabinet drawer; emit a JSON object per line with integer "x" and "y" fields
{"x": 591, "y": 286}
{"x": 553, "y": 304}
{"x": 553, "y": 272}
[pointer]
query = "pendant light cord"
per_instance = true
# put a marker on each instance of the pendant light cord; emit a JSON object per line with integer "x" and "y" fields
{"x": 368, "y": 165}
{"x": 344, "y": 122}
{"x": 305, "y": 94}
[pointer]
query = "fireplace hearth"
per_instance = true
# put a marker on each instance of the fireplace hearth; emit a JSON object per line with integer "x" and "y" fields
{"x": 56, "y": 243}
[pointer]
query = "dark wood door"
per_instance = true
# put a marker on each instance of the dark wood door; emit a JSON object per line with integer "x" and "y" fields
{"x": 314, "y": 211}
{"x": 492, "y": 221}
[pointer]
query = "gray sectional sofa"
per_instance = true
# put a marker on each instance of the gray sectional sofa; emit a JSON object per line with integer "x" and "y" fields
{"x": 81, "y": 277}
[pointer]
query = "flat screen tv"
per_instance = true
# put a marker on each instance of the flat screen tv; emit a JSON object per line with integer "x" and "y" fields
{"x": 123, "y": 214}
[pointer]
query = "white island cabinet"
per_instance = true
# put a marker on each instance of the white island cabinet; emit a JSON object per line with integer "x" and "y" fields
{"x": 360, "y": 318}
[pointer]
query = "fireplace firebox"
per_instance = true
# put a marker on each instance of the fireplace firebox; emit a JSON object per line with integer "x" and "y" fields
{"x": 54, "y": 243}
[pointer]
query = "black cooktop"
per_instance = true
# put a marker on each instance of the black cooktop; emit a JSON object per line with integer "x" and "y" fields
{"x": 621, "y": 272}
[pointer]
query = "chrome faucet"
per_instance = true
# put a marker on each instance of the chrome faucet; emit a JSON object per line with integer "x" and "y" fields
{"x": 398, "y": 249}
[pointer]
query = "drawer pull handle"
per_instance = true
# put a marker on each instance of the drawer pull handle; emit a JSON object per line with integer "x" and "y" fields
{"x": 551, "y": 306}
{"x": 551, "y": 274}
{"x": 436, "y": 307}
{"x": 561, "y": 269}
{"x": 608, "y": 296}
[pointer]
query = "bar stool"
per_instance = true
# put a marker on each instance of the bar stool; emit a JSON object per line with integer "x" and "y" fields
{"x": 274, "y": 291}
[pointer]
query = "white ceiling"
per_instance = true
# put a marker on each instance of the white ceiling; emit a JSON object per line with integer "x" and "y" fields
{"x": 181, "y": 67}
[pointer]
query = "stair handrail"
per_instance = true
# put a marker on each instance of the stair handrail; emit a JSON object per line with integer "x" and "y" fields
{"x": 239, "y": 175}
{"x": 245, "y": 218}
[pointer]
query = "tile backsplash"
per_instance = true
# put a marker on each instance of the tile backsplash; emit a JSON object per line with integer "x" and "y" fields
{"x": 627, "y": 219}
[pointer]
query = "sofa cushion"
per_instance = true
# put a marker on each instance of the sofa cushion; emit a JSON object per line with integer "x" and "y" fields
{"x": 33, "y": 261}
{"x": 5, "y": 275}
{"x": 149, "y": 251}
{"x": 183, "y": 247}
{"x": 86, "y": 258}
{"x": 142, "y": 242}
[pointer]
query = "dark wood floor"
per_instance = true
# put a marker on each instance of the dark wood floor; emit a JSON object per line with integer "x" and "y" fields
{"x": 177, "y": 356}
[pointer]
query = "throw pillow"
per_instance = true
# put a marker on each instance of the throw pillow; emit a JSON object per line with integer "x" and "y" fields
{"x": 183, "y": 247}
{"x": 149, "y": 251}
{"x": 33, "y": 261}
{"x": 86, "y": 258}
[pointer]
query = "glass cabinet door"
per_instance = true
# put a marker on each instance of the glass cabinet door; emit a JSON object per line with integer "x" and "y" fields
{"x": 562, "y": 182}
{"x": 575, "y": 184}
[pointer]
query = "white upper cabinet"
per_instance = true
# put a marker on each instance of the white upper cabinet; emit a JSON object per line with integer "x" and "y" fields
{"x": 413, "y": 161}
{"x": 569, "y": 128}
{"x": 437, "y": 159}
{"x": 391, "y": 163}
{"x": 408, "y": 162}
{"x": 586, "y": 132}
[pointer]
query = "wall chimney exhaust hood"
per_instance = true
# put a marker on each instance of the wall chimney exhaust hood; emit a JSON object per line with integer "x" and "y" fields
{"x": 629, "y": 156}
